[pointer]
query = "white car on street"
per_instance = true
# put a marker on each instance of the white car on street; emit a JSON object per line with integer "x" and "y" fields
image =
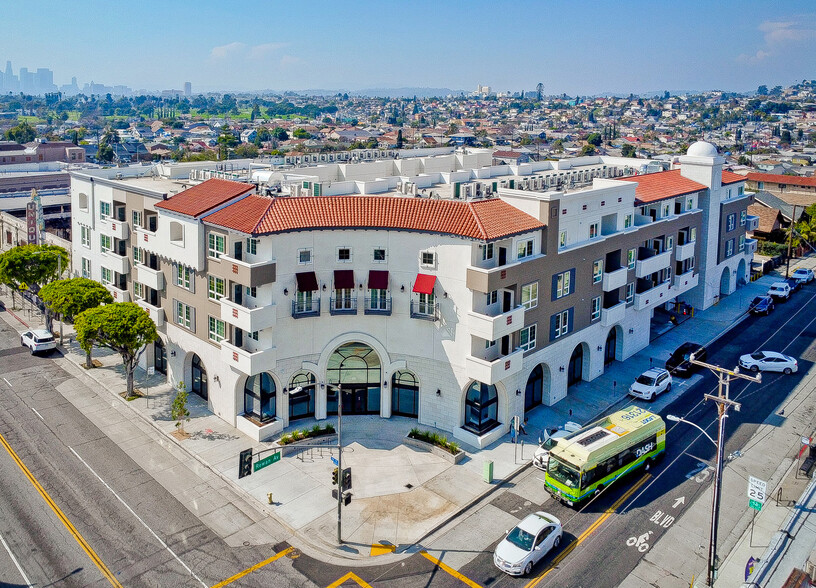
{"x": 38, "y": 340}
{"x": 769, "y": 361}
{"x": 527, "y": 543}
{"x": 542, "y": 454}
{"x": 803, "y": 275}
{"x": 650, "y": 383}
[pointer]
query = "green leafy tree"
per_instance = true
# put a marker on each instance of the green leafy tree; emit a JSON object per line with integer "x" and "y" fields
{"x": 70, "y": 297}
{"x": 628, "y": 150}
{"x": 124, "y": 327}
{"x": 248, "y": 151}
{"x": 178, "y": 410}
{"x": 30, "y": 267}
{"x": 280, "y": 134}
{"x": 588, "y": 149}
{"x": 300, "y": 133}
{"x": 399, "y": 139}
{"x": 594, "y": 139}
{"x": 22, "y": 133}
{"x": 226, "y": 140}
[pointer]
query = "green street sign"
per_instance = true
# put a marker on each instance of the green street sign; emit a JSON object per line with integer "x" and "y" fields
{"x": 755, "y": 504}
{"x": 268, "y": 460}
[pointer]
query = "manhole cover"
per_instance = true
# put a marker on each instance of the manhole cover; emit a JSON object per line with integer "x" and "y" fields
{"x": 409, "y": 486}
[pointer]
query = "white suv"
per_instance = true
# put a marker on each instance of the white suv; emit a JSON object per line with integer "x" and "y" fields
{"x": 803, "y": 275}
{"x": 38, "y": 340}
{"x": 651, "y": 383}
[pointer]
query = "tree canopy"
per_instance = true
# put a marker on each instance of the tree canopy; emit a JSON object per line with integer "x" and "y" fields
{"x": 75, "y": 295}
{"x": 31, "y": 266}
{"x": 22, "y": 133}
{"x": 124, "y": 327}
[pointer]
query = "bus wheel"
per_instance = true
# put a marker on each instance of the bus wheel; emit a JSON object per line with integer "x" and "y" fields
{"x": 598, "y": 490}
{"x": 647, "y": 465}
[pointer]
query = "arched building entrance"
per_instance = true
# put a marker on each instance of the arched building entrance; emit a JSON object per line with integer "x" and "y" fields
{"x": 199, "y": 378}
{"x": 611, "y": 345}
{"x": 725, "y": 282}
{"x": 575, "y": 372}
{"x": 405, "y": 394}
{"x": 356, "y": 368}
{"x": 538, "y": 386}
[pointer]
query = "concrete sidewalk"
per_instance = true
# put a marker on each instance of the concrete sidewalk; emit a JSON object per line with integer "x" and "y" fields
{"x": 400, "y": 494}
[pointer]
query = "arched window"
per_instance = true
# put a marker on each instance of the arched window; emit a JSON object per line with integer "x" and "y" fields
{"x": 302, "y": 403}
{"x": 259, "y": 397}
{"x": 405, "y": 394}
{"x": 83, "y": 201}
{"x": 481, "y": 408}
{"x": 176, "y": 232}
{"x": 200, "y": 385}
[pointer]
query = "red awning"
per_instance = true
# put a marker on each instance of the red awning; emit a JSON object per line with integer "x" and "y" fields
{"x": 424, "y": 284}
{"x": 378, "y": 280}
{"x": 306, "y": 281}
{"x": 343, "y": 279}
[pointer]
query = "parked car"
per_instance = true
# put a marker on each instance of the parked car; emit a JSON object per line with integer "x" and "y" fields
{"x": 650, "y": 383}
{"x": 548, "y": 441}
{"x": 679, "y": 365}
{"x": 527, "y": 543}
{"x": 779, "y": 291}
{"x": 794, "y": 284}
{"x": 803, "y": 275}
{"x": 761, "y": 305}
{"x": 769, "y": 361}
{"x": 38, "y": 341}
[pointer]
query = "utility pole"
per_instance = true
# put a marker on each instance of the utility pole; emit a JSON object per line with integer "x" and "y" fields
{"x": 790, "y": 240}
{"x": 724, "y": 377}
{"x": 339, "y": 463}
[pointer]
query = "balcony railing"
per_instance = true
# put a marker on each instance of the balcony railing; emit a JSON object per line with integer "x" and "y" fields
{"x": 247, "y": 361}
{"x": 343, "y": 305}
{"x": 378, "y": 305}
{"x": 156, "y": 313}
{"x": 118, "y": 263}
{"x": 115, "y": 228}
{"x": 650, "y": 265}
{"x": 305, "y": 309}
{"x": 751, "y": 222}
{"x": 614, "y": 279}
{"x": 250, "y": 273}
{"x": 247, "y": 318}
{"x": 686, "y": 281}
{"x": 119, "y": 294}
{"x": 492, "y": 328}
{"x": 613, "y": 314}
{"x": 153, "y": 278}
{"x": 491, "y": 372}
{"x": 750, "y": 246}
{"x": 685, "y": 251}
{"x": 424, "y": 310}
{"x": 654, "y": 296}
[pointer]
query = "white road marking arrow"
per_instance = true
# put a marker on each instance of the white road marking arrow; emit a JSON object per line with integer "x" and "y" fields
{"x": 679, "y": 501}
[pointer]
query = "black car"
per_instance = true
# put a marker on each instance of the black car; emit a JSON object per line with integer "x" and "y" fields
{"x": 794, "y": 284}
{"x": 761, "y": 305}
{"x": 679, "y": 365}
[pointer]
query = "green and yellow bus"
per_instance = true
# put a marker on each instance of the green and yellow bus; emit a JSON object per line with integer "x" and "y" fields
{"x": 586, "y": 461}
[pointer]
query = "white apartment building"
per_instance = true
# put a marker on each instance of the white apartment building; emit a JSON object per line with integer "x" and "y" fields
{"x": 458, "y": 311}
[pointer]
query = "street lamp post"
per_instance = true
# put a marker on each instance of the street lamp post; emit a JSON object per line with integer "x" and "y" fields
{"x": 724, "y": 377}
{"x": 339, "y": 389}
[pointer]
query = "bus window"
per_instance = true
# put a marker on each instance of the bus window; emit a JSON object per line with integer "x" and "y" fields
{"x": 563, "y": 472}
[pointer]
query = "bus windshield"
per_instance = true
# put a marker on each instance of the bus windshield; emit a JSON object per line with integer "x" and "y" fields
{"x": 563, "y": 472}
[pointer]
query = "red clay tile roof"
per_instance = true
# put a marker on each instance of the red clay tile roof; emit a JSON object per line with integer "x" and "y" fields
{"x": 661, "y": 185}
{"x": 731, "y": 178}
{"x": 199, "y": 199}
{"x": 508, "y": 154}
{"x": 484, "y": 220}
{"x": 781, "y": 179}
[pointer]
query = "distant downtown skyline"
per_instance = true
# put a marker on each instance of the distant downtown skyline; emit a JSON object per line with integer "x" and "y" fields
{"x": 624, "y": 46}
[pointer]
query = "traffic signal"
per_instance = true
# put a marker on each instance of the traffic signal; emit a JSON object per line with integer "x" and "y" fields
{"x": 334, "y": 476}
{"x": 245, "y": 463}
{"x": 346, "y": 485}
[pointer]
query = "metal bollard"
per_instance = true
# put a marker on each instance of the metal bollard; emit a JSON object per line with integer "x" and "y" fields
{"x": 269, "y": 498}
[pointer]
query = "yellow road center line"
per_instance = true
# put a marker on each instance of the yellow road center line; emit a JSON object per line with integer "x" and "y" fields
{"x": 592, "y": 528}
{"x": 61, "y": 516}
{"x": 350, "y": 576}
{"x": 450, "y": 570}
{"x": 257, "y": 566}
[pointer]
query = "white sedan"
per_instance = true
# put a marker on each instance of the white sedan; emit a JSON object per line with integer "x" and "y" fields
{"x": 769, "y": 361}
{"x": 527, "y": 543}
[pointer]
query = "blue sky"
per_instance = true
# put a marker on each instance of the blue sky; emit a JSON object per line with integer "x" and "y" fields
{"x": 571, "y": 47}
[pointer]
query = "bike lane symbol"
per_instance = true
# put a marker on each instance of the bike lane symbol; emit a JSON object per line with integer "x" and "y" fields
{"x": 639, "y": 542}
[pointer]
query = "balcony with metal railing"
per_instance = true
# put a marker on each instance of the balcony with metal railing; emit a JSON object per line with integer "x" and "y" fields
{"x": 343, "y": 305}
{"x": 378, "y": 305}
{"x": 305, "y": 308}
{"x": 428, "y": 311}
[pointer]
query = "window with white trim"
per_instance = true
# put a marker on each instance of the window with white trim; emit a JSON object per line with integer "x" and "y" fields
{"x": 86, "y": 267}
{"x": 184, "y": 274}
{"x": 690, "y": 203}
{"x": 253, "y": 335}
{"x": 492, "y": 297}
{"x": 630, "y": 293}
{"x": 216, "y": 288}
{"x": 729, "y": 248}
{"x": 631, "y": 258}
{"x": 487, "y": 251}
{"x": 743, "y": 215}
{"x": 427, "y": 258}
{"x": 107, "y": 276}
{"x": 344, "y": 254}
{"x": 104, "y": 210}
{"x": 136, "y": 215}
{"x": 252, "y": 291}
{"x": 562, "y": 239}
{"x": 561, "y": 324}
{"x": 731, "y": 222}
{"x": 138, "y": 256}
{"x": 597, "y": 271}
{"x": 628, "y": 220}
{"x": 85, "y": 235}
{"x": 594, "y": 230}
{"x": 527, "y": 337}
{"x": 524, "y": 249}
{"x": 666, "y": 210}
{"x": 742, "y": 243}
{"x": 252, "y": 246}
{"x": 596, "y": 309}
{"x": 216, "y": 246}
{"x": 217, "y": 330}
{"x": 669, "y": 242}
{"x": 138, "y": 290}
{"x": 562, "y": 284}
{"x": 184, "y": 314}
{"x": 529, "y": 295}
{"x": 489, "y": 344}
{"x": 304, "y": 256}
{"x": 380, "y": 255}
{"x": 105, "y": 243}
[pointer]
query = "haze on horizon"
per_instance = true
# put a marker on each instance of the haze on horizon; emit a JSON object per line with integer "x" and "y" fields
{"x": 573, "y": 48}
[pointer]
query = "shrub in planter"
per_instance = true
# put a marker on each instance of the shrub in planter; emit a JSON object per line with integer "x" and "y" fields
{"x": 434, "y": 439}
{"x": 298, "y": 435}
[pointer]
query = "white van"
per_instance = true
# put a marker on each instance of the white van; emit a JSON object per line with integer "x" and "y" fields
{"x": 542, "y": 454}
